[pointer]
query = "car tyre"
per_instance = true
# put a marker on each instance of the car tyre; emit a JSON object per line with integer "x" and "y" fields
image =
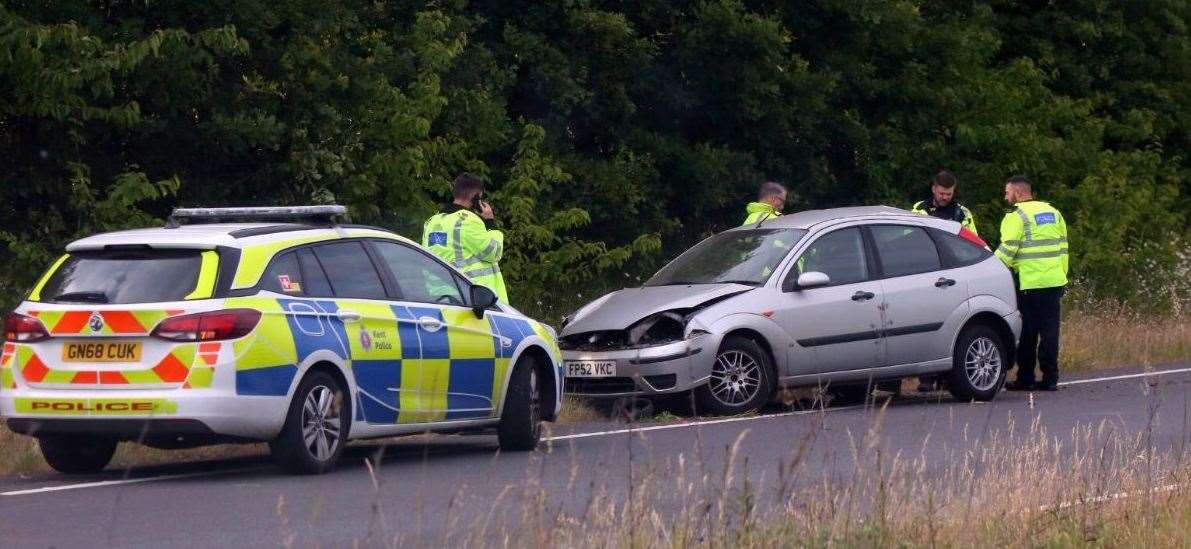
{"x": 520, "y": 426}
{"x": 77, "y": 455}
{"x": 316, "y": 427}
{"x": 742, "y": 379}
{"x": 979, "y": 365}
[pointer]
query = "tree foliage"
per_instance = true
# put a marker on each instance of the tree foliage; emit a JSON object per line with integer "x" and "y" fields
{"x": 614, "y": 133}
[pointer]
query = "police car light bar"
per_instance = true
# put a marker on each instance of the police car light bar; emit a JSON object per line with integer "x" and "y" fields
{"x": 325, "y": 213}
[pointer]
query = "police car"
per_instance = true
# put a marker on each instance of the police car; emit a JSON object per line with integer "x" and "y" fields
{"x": 290, "y": 329}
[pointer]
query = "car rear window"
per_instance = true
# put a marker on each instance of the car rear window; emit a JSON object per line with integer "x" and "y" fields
{"x": 956, "y": 251}
{"x": 140, "y": 276}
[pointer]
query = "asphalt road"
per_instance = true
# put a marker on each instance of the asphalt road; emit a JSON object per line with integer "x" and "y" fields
{"x": 433, "y": 489}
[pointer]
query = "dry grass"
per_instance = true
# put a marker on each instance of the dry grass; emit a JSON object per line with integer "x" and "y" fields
{"x": 576, "y": 411}
{"x": 19, "y": 454}
{"x": 1020, "y": 487}
{"x": 1108, "y": 336}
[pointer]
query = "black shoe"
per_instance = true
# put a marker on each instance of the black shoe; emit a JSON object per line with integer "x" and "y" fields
{"x": 926, "y": 387}
{"x": 1019, "y": 386}
{"x": 1047, "y": 387}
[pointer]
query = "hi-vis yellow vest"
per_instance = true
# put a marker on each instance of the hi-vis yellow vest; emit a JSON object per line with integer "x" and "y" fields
{"x": 1034, "y": 245}
{"x": 461, "y": 239}
{"x": 759, "y": 211}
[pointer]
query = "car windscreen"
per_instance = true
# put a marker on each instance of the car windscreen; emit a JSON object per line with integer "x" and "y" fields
{"x": 140, "y": 276}
{"x": 746, "y": 256}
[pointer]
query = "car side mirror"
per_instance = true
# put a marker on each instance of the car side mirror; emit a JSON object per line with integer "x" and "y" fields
{"x": 482, "y": 299}
{"x": 811, "y": 279}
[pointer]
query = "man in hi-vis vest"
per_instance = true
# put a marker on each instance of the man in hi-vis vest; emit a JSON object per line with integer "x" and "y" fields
{"x": 1034, "y": 247}
{"x": 771, "y": 198}
{"x": 462, "y": 234}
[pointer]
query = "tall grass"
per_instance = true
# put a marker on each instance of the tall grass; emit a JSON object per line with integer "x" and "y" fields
{"x": 1016, "y": 486}
{"x": 1151, "y": 327}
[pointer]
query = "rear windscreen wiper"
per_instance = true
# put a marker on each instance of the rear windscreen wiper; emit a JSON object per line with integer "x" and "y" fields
{"x": 82, "y": 297}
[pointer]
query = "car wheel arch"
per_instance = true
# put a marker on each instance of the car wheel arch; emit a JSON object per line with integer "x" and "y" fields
{"x": 997, "y": 323}
{"x": 336, "y": 372}
{"x": 760, "y": 340}
{"x": 547, "y": 375}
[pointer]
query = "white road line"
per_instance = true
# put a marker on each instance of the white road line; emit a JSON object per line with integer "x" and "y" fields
{"x": 102, "y": 483}
{"x": 1127, "y": 376}
{"x": 805, "y": 412}
{"x": 571, "y": 436}
{"x": 1111, "y": 497}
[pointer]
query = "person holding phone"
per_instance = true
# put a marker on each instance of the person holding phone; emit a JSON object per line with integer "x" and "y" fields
{"x": 463, "y": 234}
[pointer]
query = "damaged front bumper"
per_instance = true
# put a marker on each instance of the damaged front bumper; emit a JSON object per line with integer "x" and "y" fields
{"x": 660, "y": 369}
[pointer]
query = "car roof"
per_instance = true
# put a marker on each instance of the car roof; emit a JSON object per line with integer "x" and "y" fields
{"x": 809, "y": 219}
{"x": 232, "y": 235}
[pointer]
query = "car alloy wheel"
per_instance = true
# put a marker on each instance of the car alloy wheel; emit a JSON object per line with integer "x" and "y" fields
{"x": 321, "y": 423}
{"x": 982, "y": 363}
{"x": 735, "y": 378}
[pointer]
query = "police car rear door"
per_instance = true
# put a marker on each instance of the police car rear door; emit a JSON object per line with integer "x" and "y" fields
{"x": 371, "y": 326}
{"x": 459, "y": 350}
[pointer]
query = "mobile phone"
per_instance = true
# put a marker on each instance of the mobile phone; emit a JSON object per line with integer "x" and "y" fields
{"x": 477, "y": 204}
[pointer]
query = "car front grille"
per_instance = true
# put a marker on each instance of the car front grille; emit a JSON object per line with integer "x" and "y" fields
{"x": 609, "y": 340}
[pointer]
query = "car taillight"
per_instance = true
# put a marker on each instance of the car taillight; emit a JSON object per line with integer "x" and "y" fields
{"x": 24, "y": 329}
{"x": 972, "y": 237}
{"x": 210, "y": 326}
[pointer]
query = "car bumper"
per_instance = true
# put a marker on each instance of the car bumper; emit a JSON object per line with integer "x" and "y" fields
{"x": 1014, "y": 321}
{"x": 664, "y": 369}
{"x": 139, "y": 413}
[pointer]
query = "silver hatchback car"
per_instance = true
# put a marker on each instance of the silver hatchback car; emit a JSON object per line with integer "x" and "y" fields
{"x": 845, "y": 298}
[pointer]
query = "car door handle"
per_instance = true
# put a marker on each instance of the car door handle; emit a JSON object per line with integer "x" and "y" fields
{"x": 944, "y": 282}
{"x": 348, "y": 316}
{"x": 430, "y": 324}
{"x": 863, "y": 296}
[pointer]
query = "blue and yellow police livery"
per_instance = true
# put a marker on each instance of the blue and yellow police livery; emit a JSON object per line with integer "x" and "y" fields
{"x": 305, "y": 334}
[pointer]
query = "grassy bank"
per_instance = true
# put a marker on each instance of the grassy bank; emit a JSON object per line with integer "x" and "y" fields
{"x": 19, "y": 454}
{"x": 1107, "y": 335}
{"x": 1019, "y": 487}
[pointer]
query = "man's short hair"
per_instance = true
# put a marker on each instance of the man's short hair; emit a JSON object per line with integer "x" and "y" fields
{"x": 1021, "y": 182}
{"x": 770, "y": 188}
{"x": 466, "y": 185}
{"x": 944, "y": 179}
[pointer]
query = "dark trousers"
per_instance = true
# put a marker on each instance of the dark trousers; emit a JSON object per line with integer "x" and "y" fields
{"x": 1039, "y": 334}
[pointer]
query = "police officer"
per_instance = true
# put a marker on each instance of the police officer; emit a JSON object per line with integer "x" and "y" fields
{"x": 1034, "y": 247}
{"x": 462, "y": 234}
{"x": 771, "y": 198}
{"x": 941, "y": 202}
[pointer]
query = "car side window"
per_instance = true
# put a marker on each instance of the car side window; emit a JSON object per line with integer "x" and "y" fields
{"x": 905, "y": 250}
{"x": 957, "y": 252}
{"x": 419, "y": 277}
{"x": 838, "y": 254}
{"x": 350, "y": 271}
{"x": 283, "y": 276}
{"x": 314, "y": 279}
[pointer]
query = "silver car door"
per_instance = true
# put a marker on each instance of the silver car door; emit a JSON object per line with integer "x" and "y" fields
{"x": 836, "y": 326}
{"x": 920, "y": 295}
